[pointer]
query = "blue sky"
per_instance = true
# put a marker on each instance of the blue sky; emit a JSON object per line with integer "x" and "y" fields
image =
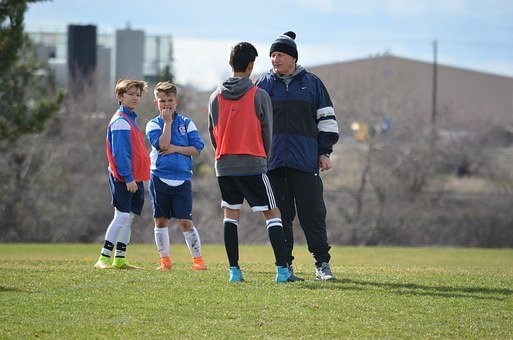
{"x": 472, "y": 34}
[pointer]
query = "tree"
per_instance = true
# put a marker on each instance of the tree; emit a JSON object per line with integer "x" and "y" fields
{"x": 28, "y": 101}
{"x": 25, "y": 109}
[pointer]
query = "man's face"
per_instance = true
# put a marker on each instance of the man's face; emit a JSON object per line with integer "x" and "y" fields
{"x": 283, "y": 64}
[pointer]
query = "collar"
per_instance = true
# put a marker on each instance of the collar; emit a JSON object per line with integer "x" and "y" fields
{"x": 127, "y": 111}
{"x": 297, "y": 71}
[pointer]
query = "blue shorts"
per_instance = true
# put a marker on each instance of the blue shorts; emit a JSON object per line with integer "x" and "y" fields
{"x": 126, "y": 201}
{"x": 171, "y": 202}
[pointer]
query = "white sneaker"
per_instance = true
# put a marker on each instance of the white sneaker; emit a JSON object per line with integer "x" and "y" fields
{"x": 324, "y": 273}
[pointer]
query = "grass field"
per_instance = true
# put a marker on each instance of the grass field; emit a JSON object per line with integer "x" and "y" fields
{"x": 53, "y": 291}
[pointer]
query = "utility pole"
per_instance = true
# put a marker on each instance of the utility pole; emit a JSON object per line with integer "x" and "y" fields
{"x": 435, "y": 84}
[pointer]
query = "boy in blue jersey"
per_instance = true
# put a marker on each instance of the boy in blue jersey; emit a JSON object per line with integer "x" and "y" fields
{"x": 174, "y": 140}
{"x": 129, "y": 166}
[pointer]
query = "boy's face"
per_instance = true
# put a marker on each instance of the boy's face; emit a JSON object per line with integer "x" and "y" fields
{"x": 131, "y": 98}
{"x": 166, "y": 101}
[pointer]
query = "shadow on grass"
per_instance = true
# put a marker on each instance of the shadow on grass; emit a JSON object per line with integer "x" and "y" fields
{"x": 415, "y": 289}
{"x": 8, "y": 289}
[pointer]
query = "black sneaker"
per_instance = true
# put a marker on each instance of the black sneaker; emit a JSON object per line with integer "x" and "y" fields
{"x": 292, "y": 277}
{"x": 324, "y": 273}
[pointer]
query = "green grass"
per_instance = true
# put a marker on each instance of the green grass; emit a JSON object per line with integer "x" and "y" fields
{"x": 53, "y": 291}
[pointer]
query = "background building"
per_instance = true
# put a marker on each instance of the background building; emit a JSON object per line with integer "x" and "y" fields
{"x": 401, "y": 90}
{"x": 128, "y": 56}
{"x": 123, "y": 53}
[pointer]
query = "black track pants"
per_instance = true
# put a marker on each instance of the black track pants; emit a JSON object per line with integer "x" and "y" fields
{"x": 302, "y": 192}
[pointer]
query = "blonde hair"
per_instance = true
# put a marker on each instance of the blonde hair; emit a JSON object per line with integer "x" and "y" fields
{"x": 165, "y": 87}
{"x": 124, "y": 85}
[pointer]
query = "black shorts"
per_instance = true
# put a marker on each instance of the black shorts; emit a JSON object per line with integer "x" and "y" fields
{"x": 255, "y": 189}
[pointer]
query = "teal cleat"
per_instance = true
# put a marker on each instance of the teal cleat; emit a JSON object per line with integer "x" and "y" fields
{"x": 293, "y": 277}
{"x": 235, "y": 275}
{"x": 283, "y": 274}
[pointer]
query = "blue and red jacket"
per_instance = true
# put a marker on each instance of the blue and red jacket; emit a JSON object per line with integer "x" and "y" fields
{"x": 126, "y": 151}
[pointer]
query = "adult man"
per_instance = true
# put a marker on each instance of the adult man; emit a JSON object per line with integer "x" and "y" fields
{"x": 240, "y": 127}
{"x": 304, "y": 132}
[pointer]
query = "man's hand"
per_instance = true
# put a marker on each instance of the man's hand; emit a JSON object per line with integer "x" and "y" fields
{"x": 324, "y": 163}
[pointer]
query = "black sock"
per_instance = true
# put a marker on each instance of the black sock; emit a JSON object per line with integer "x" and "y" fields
{"x": 109, "y": 246}
{"x": 231, "y": 243}
{"x": 122, "y": 248}
{"x": 277, "y": 239}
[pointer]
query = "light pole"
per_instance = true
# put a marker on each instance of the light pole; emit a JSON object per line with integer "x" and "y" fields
{"x": 435, "y": 83}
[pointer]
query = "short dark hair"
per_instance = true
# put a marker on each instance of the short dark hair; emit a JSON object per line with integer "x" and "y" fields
{"x": 241, "y": 55}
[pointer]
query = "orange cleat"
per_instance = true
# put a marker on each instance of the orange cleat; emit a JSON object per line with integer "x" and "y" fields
{"x": 165, "y": 263}
{"x": 198, "y": 264}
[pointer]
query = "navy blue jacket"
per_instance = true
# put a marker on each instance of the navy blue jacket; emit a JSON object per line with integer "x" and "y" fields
{"x": 304, "y": 122}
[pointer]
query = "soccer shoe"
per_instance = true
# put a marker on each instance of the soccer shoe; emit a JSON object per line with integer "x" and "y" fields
{"x": 293, "y": 277}
{"x": 282, "y": 274}
{"x": 103, "y": 263}
{"x": 324, "y": 273}
{"x": 122, "y": 263}
{"x": 235, "y": 275}
{"x": 165, "y": 263}
{"x": 198, "y": 264}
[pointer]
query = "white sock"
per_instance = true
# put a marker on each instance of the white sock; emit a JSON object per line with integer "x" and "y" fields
{"x": 125, "y": 233}
{"x": 162, "y": 241}
{"x": 119, "y": 220}
{"x": 193, "y": 241}
{"x": 274, "y": 222}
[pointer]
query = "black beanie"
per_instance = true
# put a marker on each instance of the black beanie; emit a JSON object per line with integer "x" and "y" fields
{"x": 285, "y": 43}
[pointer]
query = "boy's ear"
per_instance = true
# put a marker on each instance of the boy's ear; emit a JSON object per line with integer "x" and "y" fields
{"x": 155, "y": 102}
{"x": 250, "y": 66}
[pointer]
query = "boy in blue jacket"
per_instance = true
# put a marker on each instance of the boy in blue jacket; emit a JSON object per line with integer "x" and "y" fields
{"x": 174, "y": 140}
{"x": 129, "y": 166}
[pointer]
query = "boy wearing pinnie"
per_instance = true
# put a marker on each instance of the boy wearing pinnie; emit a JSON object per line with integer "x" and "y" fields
{"x": 129, "y": 166}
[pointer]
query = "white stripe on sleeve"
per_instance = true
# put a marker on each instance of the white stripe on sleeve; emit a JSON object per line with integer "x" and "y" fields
{"x": 120, "y": 124}
{"x": 152, "y": 126}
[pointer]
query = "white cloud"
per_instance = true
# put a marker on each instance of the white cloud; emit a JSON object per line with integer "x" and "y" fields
{"x": 204, "y": 64}
{"x": 201, "y": 63}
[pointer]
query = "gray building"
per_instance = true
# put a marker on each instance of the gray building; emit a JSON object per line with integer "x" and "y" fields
{"x": 128, "y": 56}
{"x": 124, "y": 53}
{"x": 402, "y": 89}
